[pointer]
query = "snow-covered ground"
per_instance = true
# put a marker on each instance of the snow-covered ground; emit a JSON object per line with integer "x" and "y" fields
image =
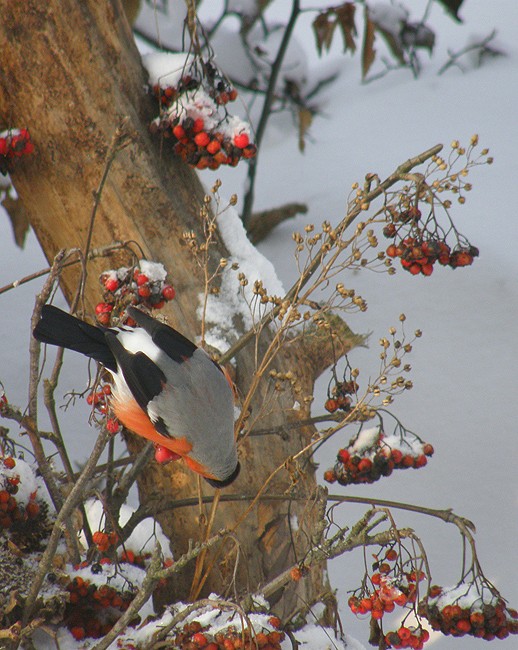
{"x": 466, "y": 364}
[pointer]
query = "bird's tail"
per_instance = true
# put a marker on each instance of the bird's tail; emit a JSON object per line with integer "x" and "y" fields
{"x": 56, "y": 327}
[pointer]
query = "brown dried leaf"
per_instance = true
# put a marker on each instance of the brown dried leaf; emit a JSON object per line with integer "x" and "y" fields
{"x": 394, "y": 43}
{"x": 324, "y": 30}
{"x": 345, "y": 17}
{"x": 452, "y": 7}
{"x": 368, "y": 51}
{"x": 305, "y": 120}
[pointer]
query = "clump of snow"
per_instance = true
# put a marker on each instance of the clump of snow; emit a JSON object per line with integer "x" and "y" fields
{"x": 166, "y": 69}
{"x": 465, "y": 596}
{"x": 311, "y": 637}
{"x": 155, "y": 271}
{"x": 366, "y": 439}
{"x": 388, "y": 17}
{"x": 407, "y": 444}
{"x": 118, "y": 576}
{"x": 141, "y": 540}
{"x": 29, "y": 485}
{"x": 234, "y": 301}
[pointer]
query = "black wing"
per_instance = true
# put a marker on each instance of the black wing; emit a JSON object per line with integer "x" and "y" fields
{"x": 175, "y": 345}
{"x": 144, "y": 378}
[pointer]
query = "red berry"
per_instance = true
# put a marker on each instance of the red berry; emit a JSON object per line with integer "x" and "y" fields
{"x": 275, "y": 622}
{"x": 103, "y": 319}
{"x": 330, "y": 476}
{"x": 199, "y": 639}
{"x": 414, "y": 268}
{"x": 141, "y": 279}
{"x": 112, "y": 425}
{"x": 213, "y": 147}
{"x": 428, "y": 449}
{"x": 463, "y": 625}
{"x": 103, "y": 308}
{"x": 392, "y": 250}
{"x": 249, "y": 151}
{"x": 241, "y": 140}
{"x": 164, "y": 455}
{"x": 376, "y": 579}
{"x": 391, "y": 555}
{"x": 420, "y": 461}
{"x": 198, "y": 125}
{"x": 178, "y": 131}
{"x": 9, "y": 462}
{"x": 404, "y": 633}
{"x": 202, "y": 139}
{"x": 331, "y": 405}
{"x": 144, "y": 291}
{"x": 232, "y": 95}
{"x": 78, "y": 633}
{"x": 427, "y": 269}
{"x": 296, "y": 574}
{"x": 32, "y": 509}
{"x": 111, "y": 284}
{"x": 396, "y": 456}
{"x": 365, "y": 465}
{"x": 344, "y": 455}
{"x": 168, "y": 292}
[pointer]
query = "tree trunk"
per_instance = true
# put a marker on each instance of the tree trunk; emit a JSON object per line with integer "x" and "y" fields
{"x": 71, "y": 74}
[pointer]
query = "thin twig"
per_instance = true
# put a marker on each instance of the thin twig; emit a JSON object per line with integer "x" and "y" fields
{"x": 266, "y": 109}
{"x": 104, "y": 251}
{"x": 119, "y": 140}
{"x": 367, "y": 198}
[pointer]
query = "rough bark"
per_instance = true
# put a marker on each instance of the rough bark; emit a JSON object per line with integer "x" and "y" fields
{"x": 71, "y": 74}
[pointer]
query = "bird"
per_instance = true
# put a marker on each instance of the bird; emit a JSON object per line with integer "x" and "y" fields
{"x": 165, "y": 388}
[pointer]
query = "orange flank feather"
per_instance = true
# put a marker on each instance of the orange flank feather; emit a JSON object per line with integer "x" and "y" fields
{"x": 136, "y": 420}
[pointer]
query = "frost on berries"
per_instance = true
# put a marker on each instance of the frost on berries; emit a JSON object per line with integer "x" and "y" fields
{"x": 474, "y": 608}
{"x": 14, "y": 144}
{"x": 23, "y": 511}
{"x": 372, "y": 454}
{"x": 144, "y": 285}
{"x": 193, "y": 96}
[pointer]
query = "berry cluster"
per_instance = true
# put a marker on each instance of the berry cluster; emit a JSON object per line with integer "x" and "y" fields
{"x": 104, "y": 541}
{"x": 193, "y": 637}
{"x": 469, "y": 609}
{"x": 407, "y": 637}
{"x": 418, "y": 256}
{"x": 144, "y": 285}
{"x": 194, "y": 117}
{"x": 20, "y": 512}
{"x": 341, "y": 396}
{"x": 391, "y": 585}
{"x": 93, "y": 609}
{"x": 372, "y": 455}
{"x": 13, "y": 144}
{"x": 99, "y": 399}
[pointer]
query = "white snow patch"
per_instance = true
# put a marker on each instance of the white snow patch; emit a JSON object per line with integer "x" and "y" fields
{"x": 311, "y": 637}
{"x": 141, "y": 540}
{"x": 166, "y": 69}
{"x": 365, "y": 440}
{"x": 223, "y": 309}
{"x": 388, "y": 17}
{"x": 29, "y": 484}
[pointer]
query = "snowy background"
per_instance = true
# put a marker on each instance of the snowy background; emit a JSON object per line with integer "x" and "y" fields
{"x": 465, "y": 366}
